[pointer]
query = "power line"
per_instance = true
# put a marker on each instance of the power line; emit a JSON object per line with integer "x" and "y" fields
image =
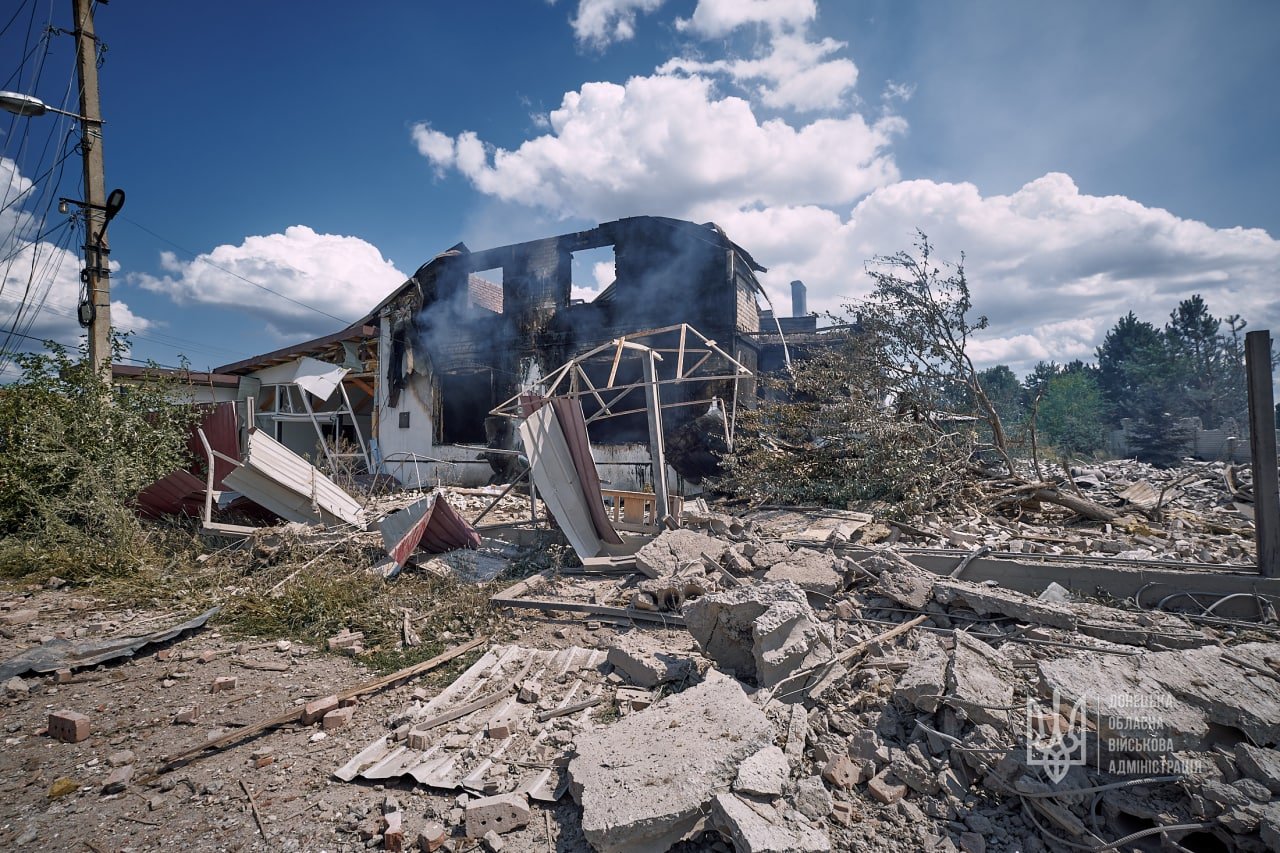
{"x": 205, "y": 260}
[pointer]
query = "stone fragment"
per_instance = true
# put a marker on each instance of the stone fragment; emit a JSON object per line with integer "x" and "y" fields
{"x": 431, "y": 837}
{"x": 317, "y": 708}
{"x": 884, "y": 791}
{"x": 644, "y": 667}
{"x": 763, "y": 632}
{"x": 1259, "y": 764}
{"x": 121, "y": 758}
{"x": 493, "y": 842}
{"x": 912, "y": 768}
{"x": 1253, "y": 789}
{"x": 797, "y": 734}
{"x": 61, "y": 787}
{"x": 674, "y": 551}
{"x": 348, "y": 641}
{"x": 972, "y": 842}
{"x": 16, "y": 687}
{"x": 981, "y": 678}
{"x": 530, "y": 692}
{"x": 68, "y": 726}
{"x": 752, "y": 831}
{"x": 812, "y": 571}
{"x": 678, "y": 753}
{"x": 500, "y": 814}
{"x": 1269, "y": 826}
{"x": 763, "y": 774}
{"x": 337, "y": 718}
{"x": 842, "y": 772}
{"x": 812, "y": 799}
{"x": 926, "y": 677}
{"x": 118, "y": 779}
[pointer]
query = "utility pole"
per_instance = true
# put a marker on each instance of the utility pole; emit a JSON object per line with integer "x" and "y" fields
{"x": 1262, "y": 445}
{"x": 96, "y": 275}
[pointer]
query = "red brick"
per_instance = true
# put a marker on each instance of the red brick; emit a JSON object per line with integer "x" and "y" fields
{"x": 393, "y": 835}
{"x": 432, "y": 837}
{"x": 226, "y": 682}
{"x": 337, "y": 718}
{"x": 68, "y": 726}
{"x": 316, "y": 709}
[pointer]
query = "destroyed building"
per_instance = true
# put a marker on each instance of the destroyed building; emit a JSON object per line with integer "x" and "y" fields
{"x": 472, "y": 329}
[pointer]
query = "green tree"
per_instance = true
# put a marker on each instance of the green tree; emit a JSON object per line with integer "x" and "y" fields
{"x": 1199, "y": 356}
{"x": 1129, "y": 340}
{"x": 1004, "y": 391}
{"x": 1072, "y": 413}
{"x": 74, "y": 453}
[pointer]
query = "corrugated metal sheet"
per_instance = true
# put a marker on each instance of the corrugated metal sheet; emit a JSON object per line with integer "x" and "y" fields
{"x": 429, "y": 524}
{"x": 458, "y": 753}
{"x": 180, "y": 493}
{"x": 222, "y": 427}
{"x": 282, "y": 481}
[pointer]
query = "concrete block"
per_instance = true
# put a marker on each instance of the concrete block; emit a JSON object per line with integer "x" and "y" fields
{"x": 899, "y": 579}
{"x": 752, "y": 830}
{"x": 317, "y": 708}
{"x": 645, "y": 780}
{"x": 676, "y": 550}
{"x": 643, "y": 666}
{"x": 882, "y": 790}
{"x": 337, "y": 718}
{"x": 985, "y": 600}
{"x": 982, "y": 679}
{"x": 499, "y": 814}
{"x": 926, "y": 678}
{"x": 812, "y": 799}
{"x": 187, "y": 716}
{"x": 812, "y": 571}
{"x": 68, "y": 726}
{"x": 841, "y": 772}
{"x": 763, "y": 632}
{"x": 432, "y": 837}
{"x": 224, "y": 683}
{"x": 764, "y": 773}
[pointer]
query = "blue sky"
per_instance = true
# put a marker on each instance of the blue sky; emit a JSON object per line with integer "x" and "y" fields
{"x": 1090, "y": 158}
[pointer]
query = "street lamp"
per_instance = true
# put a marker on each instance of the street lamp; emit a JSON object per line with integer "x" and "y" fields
{"x": 94, "y": 311}
{"x": 29, "y": 105}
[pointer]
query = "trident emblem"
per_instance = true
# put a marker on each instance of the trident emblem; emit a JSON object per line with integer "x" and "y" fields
{"x": 1052, "y": 746}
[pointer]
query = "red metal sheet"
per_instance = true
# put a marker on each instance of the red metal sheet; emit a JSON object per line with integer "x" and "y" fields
{"x": 177, "y": 494}
{"x": 222, "y": 428}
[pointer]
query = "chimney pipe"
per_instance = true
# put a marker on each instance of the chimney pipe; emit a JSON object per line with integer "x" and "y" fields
{"x": 798, "y": 299}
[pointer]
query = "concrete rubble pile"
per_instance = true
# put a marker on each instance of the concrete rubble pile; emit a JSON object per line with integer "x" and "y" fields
{"x": 954, "y": 735}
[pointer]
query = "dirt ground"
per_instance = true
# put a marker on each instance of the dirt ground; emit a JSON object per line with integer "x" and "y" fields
{"x": 205, "y": 804}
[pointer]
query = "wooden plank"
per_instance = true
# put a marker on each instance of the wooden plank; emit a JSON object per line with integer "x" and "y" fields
{"x": 292, "y": 714}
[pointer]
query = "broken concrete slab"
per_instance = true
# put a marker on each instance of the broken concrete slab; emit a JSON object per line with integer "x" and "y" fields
{"x": 764, "y": 773}
{"x": 926, "y": 677}
{"x": 644, "y": 781}
{"x": 981, "y": 681}
{"x": 1172, "y": 697}
{"x": 500, "y": 813}
{"x": 812, "y": 798}
{"x": 759, "y": 828}
{"x": 632, "y": 655}
{"x": 676, "y": 550}
{"x": 899, "y": 579}
{"x": 1261, "y": 765}
{"x": 986, "y": 600}
{"x": 764, "y": 555}
{"x": 812, "y": 571}
{"x": 764, "y": 632}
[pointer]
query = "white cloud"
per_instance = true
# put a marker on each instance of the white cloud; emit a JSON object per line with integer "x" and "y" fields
{"x": 794, "y": 72}
{"x": 338, "y": 275}
{"x": 601, "y": 22}
{"x": 435, "y": 146}
{"x": 664, "y": 144}
{"x": 1052, "y": 268}
{"x": 40, "y": 280}
{"x": 713, "y": 18}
